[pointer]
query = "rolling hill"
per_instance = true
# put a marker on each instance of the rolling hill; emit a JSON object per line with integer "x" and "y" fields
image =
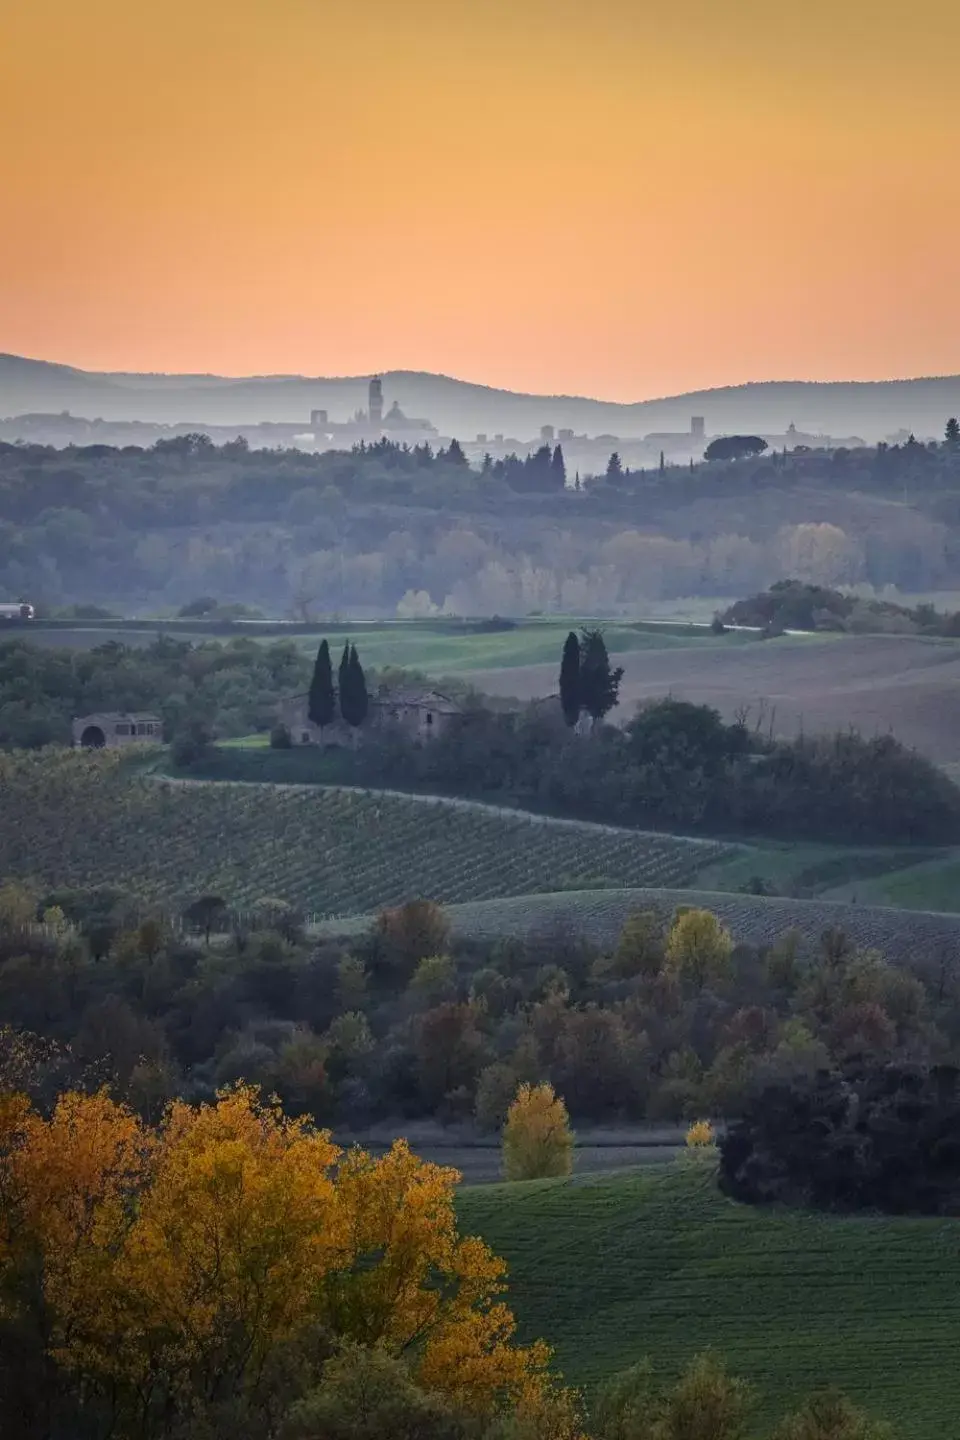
{"x": 907, "y": 936}
{"x": 86, "y": 818}
{"x": 657, "y": 1263}
{"x": 870, "y": 409}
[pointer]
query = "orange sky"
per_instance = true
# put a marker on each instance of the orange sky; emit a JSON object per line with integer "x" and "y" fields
{"x": 616, "y": 197}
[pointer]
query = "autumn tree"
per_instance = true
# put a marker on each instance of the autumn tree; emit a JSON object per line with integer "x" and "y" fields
{"x": 179, "y": 1279}
{"x": 699, "y": 948}
{"x": 322, "y": 698}
{"x": 407, "y": 934}
{"x": 537, "y": 1139}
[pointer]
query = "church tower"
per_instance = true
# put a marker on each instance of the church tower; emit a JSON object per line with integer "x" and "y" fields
{"x": 376, "y": 404}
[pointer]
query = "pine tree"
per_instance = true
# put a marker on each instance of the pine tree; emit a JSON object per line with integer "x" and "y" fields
{"x": 358, "y": 700}
{"x": 558, "y": 469}
{"x": 343, "y": 682}
{"x": 570, "y": 680}
{"x": 322, "y": 699}
{"x": 455, "y": 455}
{"x": 599, "y": 685}
{"x": 614, "y": 469}
{"x": 953, "y": 431}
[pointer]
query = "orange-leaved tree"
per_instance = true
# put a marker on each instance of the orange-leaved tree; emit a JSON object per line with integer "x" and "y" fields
{"x": 173, "y": 1274}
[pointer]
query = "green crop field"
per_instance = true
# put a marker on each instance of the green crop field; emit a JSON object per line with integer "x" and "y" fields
{"x": 657, "y": 1262}
{"x": 88, "y": 818}
{"x": 441, "y": 646}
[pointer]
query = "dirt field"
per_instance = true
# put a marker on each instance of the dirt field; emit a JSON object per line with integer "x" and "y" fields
{"x": 875, "y": 683}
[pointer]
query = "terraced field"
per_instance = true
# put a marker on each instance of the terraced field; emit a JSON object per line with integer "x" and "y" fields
{"x": 657, "y": 1262}
{"x": 79, "y": 818}
{"x": 902, "y": 935}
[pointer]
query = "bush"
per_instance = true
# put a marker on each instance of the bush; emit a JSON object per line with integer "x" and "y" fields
{"x": 280, "y": 738}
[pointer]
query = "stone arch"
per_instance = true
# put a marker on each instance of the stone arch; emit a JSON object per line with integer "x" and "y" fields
{"x": 93, "y": 738}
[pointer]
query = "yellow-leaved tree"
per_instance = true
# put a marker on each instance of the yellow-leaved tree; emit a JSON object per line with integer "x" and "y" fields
{"x": 199, "y": 1274}
{"x": 537, "y": 1139}
{"x": 699, "y": 948}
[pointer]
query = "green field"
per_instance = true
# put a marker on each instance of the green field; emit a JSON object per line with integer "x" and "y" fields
{"x": 931, "y": 885}
{"x": 87, "y": 818}
{"x": 657, "y": 1262}
{"x": 440, "y": 646}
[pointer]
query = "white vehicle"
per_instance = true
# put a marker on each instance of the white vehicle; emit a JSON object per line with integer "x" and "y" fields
{"x": 20, "y": 611}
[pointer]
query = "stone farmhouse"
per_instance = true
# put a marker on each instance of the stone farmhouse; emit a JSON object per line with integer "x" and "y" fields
{"x": 113, "y": 729}
{"x": 419, "y": 714}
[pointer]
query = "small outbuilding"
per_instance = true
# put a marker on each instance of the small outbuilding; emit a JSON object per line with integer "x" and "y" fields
{"x": 112, "y": 729}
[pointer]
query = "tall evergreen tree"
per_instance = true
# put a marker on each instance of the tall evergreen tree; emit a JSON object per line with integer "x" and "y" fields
{"x": 343, "y": 682}
{"x": 953, "y": 431}
{"x": 358, "y": 701}
{"x": 614, "y": 469}
{"x": 570, "y": 699}
{"x": 322, "y": 698}
{"x": 599, "y": 684}
{"x": 558, "y": 469}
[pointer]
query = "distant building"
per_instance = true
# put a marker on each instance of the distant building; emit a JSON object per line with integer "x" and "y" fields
{"x": 420, "y": 714}
{"x": 111, "y": 730}
{"x": 565, "y": 436}
{"x": 319, "y": 419}
{"x": 376, "y": 404}
{"x": 546, "y": 434}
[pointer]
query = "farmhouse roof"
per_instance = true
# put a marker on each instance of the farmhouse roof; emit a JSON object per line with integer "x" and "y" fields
{"x": 407, "y": 698}
{"x": 410, "y": 699}
{"x": 140, "y": 717}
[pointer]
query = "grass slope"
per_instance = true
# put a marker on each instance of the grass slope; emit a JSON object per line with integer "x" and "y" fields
{"x": 440, "y": 646}
{"x": 658, "y": 1263}
{"x": 82, "y": 818}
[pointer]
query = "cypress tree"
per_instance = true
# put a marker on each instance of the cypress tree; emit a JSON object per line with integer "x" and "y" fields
{"x": 359, "y": 700}
{"x": 558, "y": 469}
{"x": 599, "y": 685}
{"x": 343, "y": 682}
{"x": 322, "y": 698}
{"x": 570, "y": 698}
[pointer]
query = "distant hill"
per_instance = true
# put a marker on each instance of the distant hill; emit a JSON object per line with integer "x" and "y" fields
{"x": 871, "y": 409}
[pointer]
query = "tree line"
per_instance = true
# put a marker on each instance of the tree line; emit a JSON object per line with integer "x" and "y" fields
{"x": 296, "y": 532}
{"x": 672, "y": 1022}
{"x": 673, "y": 766}
{"x": 228, "y": 689}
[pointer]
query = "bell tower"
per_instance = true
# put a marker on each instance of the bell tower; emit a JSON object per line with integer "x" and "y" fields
{"x": 375, "y": 407}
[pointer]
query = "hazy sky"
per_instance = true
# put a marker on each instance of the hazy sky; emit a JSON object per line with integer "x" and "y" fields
{"x": 619, "y": 197}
